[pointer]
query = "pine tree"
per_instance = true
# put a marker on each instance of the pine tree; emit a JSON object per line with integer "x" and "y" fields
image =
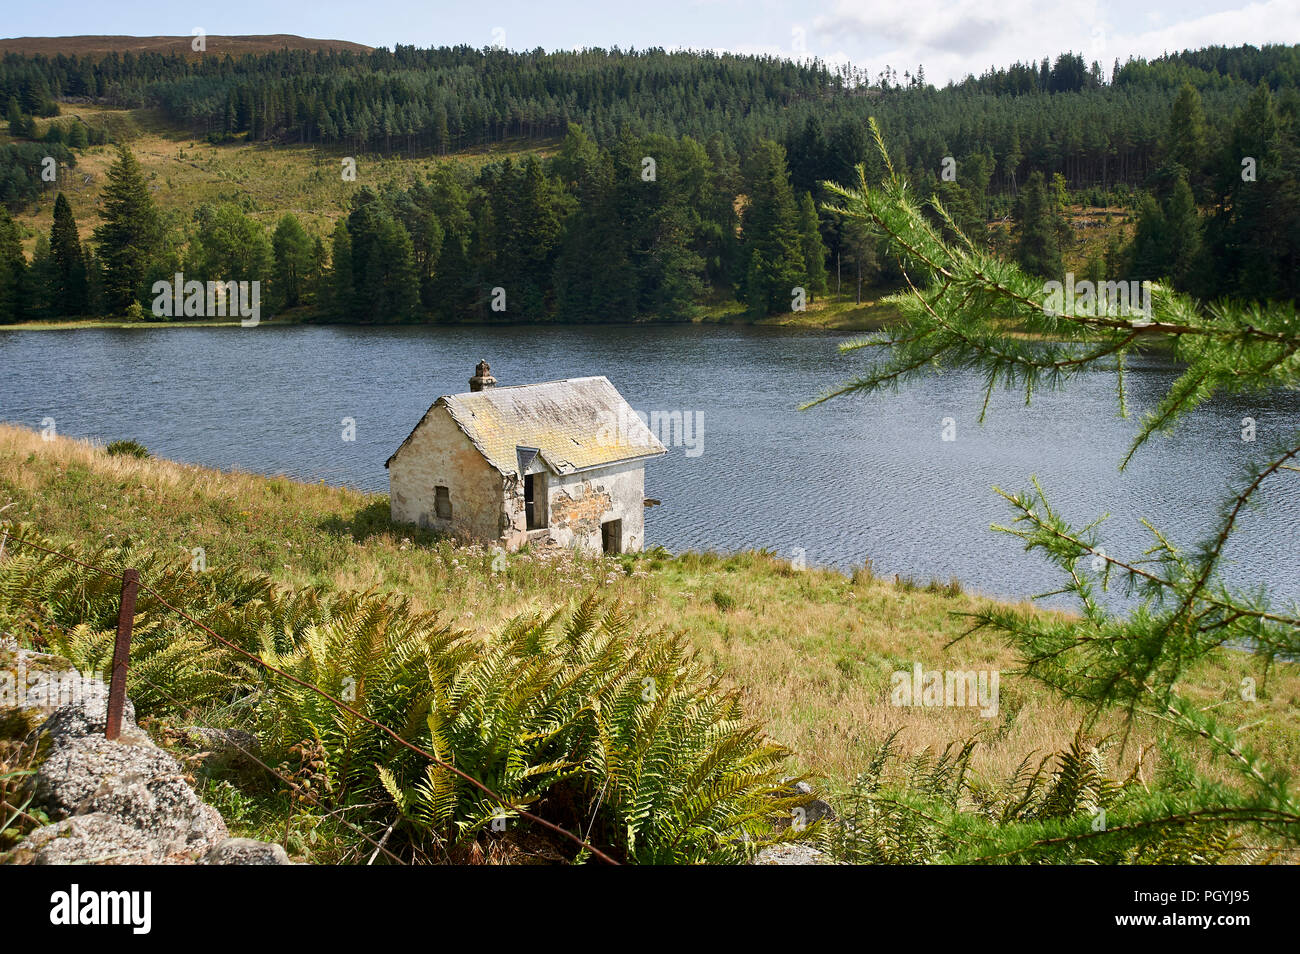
{"x": 773, "y": 250}
{"x": 1185, "y": 140}
{"x": 69, "y": 293}
{"x": 814, "y": 250}
{"x": 294, "y": 258}
{"x": 130, "y": 239}
{"x": 1037, "y": 248}
{"x": 13, "y": 270}
{"x": 342, "y": 291}
{"x": 14, "y": 116}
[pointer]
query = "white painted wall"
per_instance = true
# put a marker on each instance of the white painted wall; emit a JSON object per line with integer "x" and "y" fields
{"x": 580, "y": 503}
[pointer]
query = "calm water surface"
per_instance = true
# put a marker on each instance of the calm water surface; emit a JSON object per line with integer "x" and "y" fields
{"x": 858, "y": 478}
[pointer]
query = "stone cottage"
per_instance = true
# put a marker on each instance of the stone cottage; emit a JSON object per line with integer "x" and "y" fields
{"x": 561, "y": 462}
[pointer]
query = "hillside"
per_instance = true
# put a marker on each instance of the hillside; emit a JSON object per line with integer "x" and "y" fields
{"x": 266, "y": 180}
{"x": 699, "y": 187}
{"x": 94, "y": 46}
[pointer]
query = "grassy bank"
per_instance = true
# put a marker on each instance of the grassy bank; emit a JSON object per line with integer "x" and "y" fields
{"x": 832, "y": 313}
{"x": 810, "y": 651}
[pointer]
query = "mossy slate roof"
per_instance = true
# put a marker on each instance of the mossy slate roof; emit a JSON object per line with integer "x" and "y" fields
{"x": 576, "y": 424}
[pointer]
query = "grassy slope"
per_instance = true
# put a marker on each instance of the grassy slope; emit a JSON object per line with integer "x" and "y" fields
{"x": 811, "y": 650}
{"x": 264, "y": 180}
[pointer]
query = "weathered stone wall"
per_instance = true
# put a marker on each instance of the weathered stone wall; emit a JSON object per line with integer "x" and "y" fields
{"x": 489, "y": 507}
{"x": 439, "y": 454}
{"x": 580, "y": 503}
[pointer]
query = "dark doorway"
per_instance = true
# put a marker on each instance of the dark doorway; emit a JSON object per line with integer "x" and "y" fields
{"x": 535, "y": 501}
{"x": 611, "y": 536}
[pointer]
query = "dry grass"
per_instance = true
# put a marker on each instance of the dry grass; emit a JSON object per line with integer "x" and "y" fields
{"x": 264, "y": 180}
{"x": 811, "y": 650}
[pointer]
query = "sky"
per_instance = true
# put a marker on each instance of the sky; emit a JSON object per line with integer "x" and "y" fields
{"x": 951, "y": 38}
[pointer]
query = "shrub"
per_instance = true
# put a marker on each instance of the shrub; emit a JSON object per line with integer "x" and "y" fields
{"x": 127, "y": 448}
{"x": 723, "y": 601}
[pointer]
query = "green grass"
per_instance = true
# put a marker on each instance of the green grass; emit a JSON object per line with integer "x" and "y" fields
{"x": 832, "y": 313}
{"x": 812, "y": 651}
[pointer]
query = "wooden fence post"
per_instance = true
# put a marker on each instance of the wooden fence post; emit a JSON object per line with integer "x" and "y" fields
{"x": 121, "y": 654}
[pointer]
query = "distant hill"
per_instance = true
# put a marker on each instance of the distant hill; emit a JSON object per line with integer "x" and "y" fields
{"x": 216, "y": 45}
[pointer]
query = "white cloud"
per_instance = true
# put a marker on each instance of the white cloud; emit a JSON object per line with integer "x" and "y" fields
{"x": 1274, "y": 21}
{"x": 953, "y": 39}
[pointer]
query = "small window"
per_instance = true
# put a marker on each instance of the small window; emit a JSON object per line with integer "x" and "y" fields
{"x": 442, "y": 503}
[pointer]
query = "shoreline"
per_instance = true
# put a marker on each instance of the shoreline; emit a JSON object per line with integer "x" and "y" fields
{"x": 825, "y": 315}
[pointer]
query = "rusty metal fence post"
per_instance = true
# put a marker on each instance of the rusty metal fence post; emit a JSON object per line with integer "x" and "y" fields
{"x": 121, "y": 654}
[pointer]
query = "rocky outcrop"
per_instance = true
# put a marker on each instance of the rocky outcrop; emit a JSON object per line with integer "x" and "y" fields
{"x": 791, "y": 853}
{"x": 245, "y": 851}
{"x": 810, "y": 809}
{"x": 120, "y": 802}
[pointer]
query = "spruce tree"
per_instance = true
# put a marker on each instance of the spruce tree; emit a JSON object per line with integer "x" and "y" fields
{"x": 1038, "y": 249}
{"x": 384, "y": 282}
{"x": 40, "y": 284}
{"x": 772, "y": 246}
{"x": 814, "y": 250}
{"x": 69, "y": 293}
{"x": 594, "y": 231}
{"x": 130, "y": 239}
{"x": 1183, "y": 227}
{"x": 13, "y": 270}
{"x": 1148, "y": 255}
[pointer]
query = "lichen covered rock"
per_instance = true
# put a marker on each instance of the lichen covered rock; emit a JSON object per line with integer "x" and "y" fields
{"x": 125, "y": 801}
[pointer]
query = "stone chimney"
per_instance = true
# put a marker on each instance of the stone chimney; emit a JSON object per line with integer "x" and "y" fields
{"x": 482, "y": 377}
